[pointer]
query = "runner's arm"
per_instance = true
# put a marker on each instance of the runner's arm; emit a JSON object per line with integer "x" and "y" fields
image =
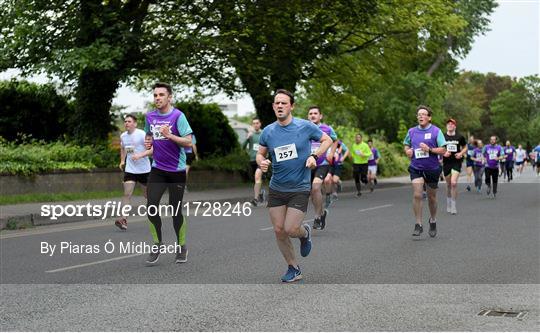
{"x": 195, "y": 152}
{"x": 347, "y": 154}
{"x": 122, "y": 157}
{"x": 326, "y": 142}
{"x": 261, "y": 159}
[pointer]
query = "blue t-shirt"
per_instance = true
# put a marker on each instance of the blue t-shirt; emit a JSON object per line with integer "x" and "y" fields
{"x": 537, "y": 151}
{"x": 292, "y": 145}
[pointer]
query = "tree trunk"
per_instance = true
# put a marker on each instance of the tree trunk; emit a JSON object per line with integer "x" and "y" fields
{"x": 92, "y": 120}
{"x": 263, "y": 106}
{"x": 441, "y": 56}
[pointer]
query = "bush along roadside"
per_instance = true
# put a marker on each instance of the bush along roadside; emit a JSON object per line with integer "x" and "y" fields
{"x": 34, "y": 157}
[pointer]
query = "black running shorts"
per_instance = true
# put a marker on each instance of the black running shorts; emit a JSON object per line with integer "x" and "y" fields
{"x": 136, "y": 177}
{"x": 296, "y": 200}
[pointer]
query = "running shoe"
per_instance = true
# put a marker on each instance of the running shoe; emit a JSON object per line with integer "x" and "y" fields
{"x": 371, "y": 188}
{"x": 181, "y": 257}
{"x": 339, "y": 187}
{"x": 121, "y": 223}
{"x": 292, "y": 274}
{"x": 453, "y": 209}
{"x": 448, "y": 205}
{"x": 375, "y": 181}
{"x": 334, "y": 197}
{"x": 468, "y": 188}
{"x": 154, "y": 254}
{"x": 317, "y": 223}
{"x": 358, "y": 193}
{"x": 424, "y": 195}
{"x": 255, "y": 202}
{"x": 323, "y": 219}
{"x": 488, "y": 190}
{"x": 305, "y": 242}
{"x": 418, "y": 229}
{"x": 432, "y": 228}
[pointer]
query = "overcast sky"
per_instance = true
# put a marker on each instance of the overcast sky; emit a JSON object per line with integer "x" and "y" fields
{"x": 511, "y": 47}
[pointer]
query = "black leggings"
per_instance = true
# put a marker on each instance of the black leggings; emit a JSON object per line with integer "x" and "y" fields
{"x": 509, "y": 170}
{"x": 360, "y": 174}
{"x": 158, "y": 182}
{"x": 492, "y": 176}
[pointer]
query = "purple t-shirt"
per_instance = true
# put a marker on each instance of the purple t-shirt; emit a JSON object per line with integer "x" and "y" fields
{"x": 509, "y": 152}
{"x": 167, "y": 156}
{"x": 431, "y": 136}
{"x": 316, "y": 144}
{"x": 492, "y": 153}
{"x": 477, "y": 153}
{"x": 374, "y": 156}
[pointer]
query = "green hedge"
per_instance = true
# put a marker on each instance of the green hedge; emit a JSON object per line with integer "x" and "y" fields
{"x": 34, "y": 157}
{"x": 33, "y": 109}
{"x": 238, "y": 160}
{"x": 215, "y": 137}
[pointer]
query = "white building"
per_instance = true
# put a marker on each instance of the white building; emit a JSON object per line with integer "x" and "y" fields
{"x": 229, "y": 109}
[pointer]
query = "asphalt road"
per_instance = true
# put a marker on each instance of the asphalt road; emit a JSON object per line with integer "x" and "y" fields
{"x": 365, "y": 272}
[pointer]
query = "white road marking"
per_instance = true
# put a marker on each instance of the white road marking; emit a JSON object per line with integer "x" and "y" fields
{"x": 47, "y": 229}
{"x": 93, "y": 263}
{"x": 376, "y": 207}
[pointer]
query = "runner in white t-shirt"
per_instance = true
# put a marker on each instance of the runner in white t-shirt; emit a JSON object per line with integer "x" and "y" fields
{"x": 134, "y": 162}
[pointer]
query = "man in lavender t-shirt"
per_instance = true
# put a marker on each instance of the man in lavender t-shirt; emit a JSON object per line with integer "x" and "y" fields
{"x": 168, "y": 132}
{"x": 423, "y": 144}
{"x": 493, "y": 153}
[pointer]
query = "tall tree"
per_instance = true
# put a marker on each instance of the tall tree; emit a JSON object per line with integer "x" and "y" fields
{"x": 260, "y": 46}
{"x": 92, "y": 46}
{"x": 517, "y": 111}
{"x": 412, "y": 63}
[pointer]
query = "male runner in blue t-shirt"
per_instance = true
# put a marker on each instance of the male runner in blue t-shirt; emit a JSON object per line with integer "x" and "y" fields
{"x": 288, "y": 142}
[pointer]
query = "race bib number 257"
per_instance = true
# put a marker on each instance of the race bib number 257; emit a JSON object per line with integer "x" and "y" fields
{"x": 286, "y": 152}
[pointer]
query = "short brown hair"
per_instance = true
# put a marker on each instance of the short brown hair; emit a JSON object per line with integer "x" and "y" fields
{"x": 315, "y": 107}
{"x": 424, "y": 107}
{"x": 285, "y": 92}
{"x": 163, "y": 85}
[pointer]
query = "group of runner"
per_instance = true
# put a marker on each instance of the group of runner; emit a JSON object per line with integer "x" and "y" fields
{"x": 306, "y": 159}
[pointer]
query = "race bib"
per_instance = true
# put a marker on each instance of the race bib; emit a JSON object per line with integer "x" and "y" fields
{"x": 493, "y": 156}
{"x": 285, "y": 153}
{"x": 156, "y": 134}
{"x": 509, "y": 151}
{"x": 479, "y": 156}
{"x": 451, "y": 148}
{"x": 427, "y": 136}
{"x": 357, "y": 152}
{"x": 371, "y": 157}
{"x": 315, "y": 146}
{"x": 129, "y": 149}
{"x": 419, "y": 153}
{"x": 256, "y": 146}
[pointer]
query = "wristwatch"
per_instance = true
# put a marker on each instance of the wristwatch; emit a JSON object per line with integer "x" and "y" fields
{"x": 315, "y": 156}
